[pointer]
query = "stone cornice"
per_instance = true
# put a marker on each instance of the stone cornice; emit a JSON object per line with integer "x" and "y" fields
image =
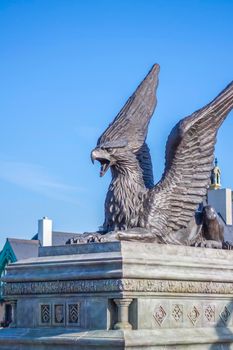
{"x": 116, "y": 285}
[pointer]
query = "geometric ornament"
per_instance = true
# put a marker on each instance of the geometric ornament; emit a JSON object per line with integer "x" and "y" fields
{"x": 193, "y": 315}
{"x": 210, "y": 313}
{"x": 74, "y": 313}
{"x": 45, "y": 313}
{"x": 177, "y": 312}
{"x": 225, "y": 315}
{"x": 159, "y": 315}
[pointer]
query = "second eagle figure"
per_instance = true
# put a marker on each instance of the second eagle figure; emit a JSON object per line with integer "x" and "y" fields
{"x": 135, "y": 208}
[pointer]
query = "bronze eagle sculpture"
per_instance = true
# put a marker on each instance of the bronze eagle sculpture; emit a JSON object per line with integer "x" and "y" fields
{"x": 135, "y": 208}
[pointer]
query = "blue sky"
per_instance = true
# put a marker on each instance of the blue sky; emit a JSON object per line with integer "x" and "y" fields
{"x": 66, "y": 69}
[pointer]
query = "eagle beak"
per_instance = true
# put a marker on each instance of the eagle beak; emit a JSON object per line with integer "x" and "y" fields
{"x": 103, "y": 157}
{"x": 93, "y": 158}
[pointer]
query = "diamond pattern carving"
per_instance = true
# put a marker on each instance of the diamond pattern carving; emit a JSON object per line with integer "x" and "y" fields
{"x": 225, "y": 315}
{"x": 209, "y": 313}
{"x": 177, "y": 313}
{"x": 159, "y": 315}
{"x": 193, "y": 315}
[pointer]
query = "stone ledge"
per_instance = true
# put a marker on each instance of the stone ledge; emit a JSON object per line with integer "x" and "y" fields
{"x": 142, "y": 248}
{"x": 110, "y": 340}
{"x": 151, "y": 261}
{"x": 90, "y": 248}
{"x": 40, "y": 339}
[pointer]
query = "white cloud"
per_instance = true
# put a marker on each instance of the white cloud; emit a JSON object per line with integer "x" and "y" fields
{"x": 36, "y": 178}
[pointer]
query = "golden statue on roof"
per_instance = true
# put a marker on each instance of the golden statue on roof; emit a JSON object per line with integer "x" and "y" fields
{"x": 215, "y": 176}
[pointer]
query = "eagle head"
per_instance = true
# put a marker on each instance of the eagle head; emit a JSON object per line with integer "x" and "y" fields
{"x": 108, "y": 154}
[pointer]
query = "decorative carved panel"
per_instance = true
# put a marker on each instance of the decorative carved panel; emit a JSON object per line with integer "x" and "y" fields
{"x": 73, "y": 314}
{"x": 177, "y": 312}
{"x": 114, "y": 285}
{"x": 159, "y": 315}
{"x": 45, "y": 314}
{"x": 59, "y": 314}
{"x": 225, "y": 315}
{"x": 193, "y": 315}
{"x": 209, "y": 313}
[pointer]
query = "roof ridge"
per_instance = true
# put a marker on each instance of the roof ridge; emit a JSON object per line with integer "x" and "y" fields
{"x": 74, "y": 233}
{"x": 23, "y": 240}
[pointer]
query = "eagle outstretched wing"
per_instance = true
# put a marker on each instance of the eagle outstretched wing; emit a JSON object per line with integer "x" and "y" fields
{"x": 170, "y": 205}
{"x": 129, "y": 128}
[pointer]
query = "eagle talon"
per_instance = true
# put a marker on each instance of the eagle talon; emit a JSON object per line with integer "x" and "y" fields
{"x": 209, "y": 244}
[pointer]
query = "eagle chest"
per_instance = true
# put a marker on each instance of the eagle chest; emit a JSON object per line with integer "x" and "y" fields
{"x": 123, "y": 203}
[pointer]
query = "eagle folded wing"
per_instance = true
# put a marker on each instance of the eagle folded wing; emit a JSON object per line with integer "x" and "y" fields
{"x": 171, "y": 204}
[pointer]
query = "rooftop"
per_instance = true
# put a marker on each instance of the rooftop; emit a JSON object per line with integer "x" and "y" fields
{"x": 24, "y": 248}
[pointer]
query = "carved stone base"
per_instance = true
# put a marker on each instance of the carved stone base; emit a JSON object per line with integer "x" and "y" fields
{"x": 121, "y": 295}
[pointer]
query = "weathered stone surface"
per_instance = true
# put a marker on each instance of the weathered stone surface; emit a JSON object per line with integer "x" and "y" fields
{"x": 77, "y": 299}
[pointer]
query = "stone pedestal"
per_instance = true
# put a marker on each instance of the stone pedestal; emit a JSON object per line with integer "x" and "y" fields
{"x": 121, "y": 295}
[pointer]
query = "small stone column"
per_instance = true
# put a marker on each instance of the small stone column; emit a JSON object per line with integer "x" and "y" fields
{"x": 123, "y": 314}
{"x": 13, "y": 305}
